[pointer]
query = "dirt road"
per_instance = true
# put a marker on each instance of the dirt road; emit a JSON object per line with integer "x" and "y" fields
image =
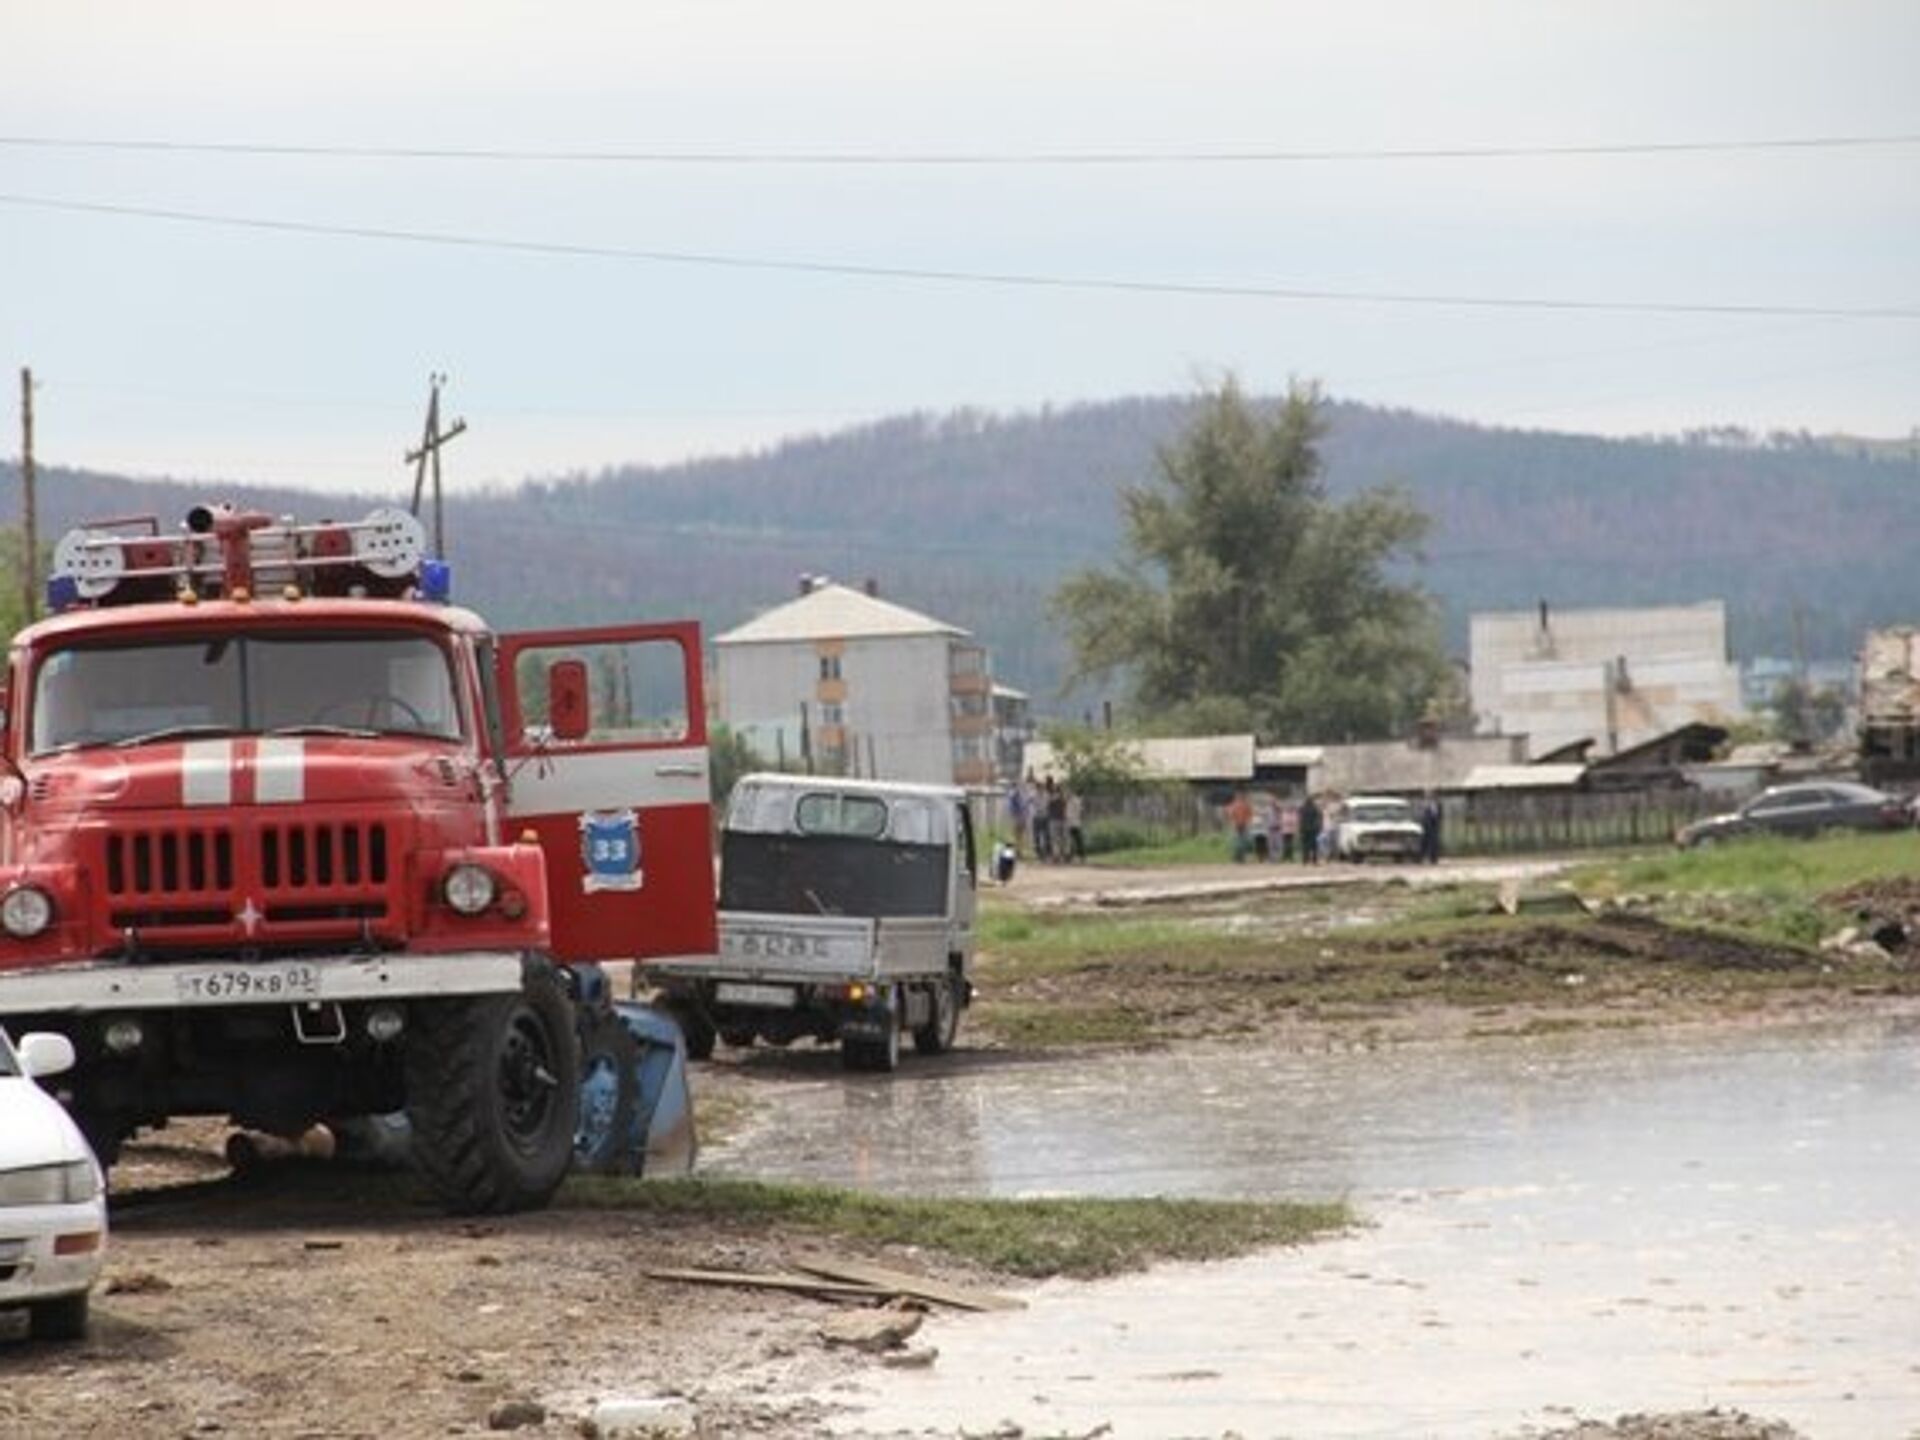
{"x": 319, "y": 1304}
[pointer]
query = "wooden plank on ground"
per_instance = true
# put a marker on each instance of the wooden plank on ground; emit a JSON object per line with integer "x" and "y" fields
{"x": 902, "y": 1282}
{"x": 812, "y": 1284}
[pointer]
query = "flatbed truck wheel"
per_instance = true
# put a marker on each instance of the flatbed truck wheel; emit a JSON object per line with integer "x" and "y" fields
{"x": 695, "y": 1028}
{"x": 936, "y": 1036}
{"x": 881, "y": 1056}
{"x": 493, "y": 1095}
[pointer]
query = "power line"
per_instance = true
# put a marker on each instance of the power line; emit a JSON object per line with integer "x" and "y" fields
{"x": 1005, "y": 279}
{"x": 1251, "y": 155}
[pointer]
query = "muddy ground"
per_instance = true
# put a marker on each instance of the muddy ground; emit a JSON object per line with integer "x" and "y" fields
{"x": 317, "y": 1303}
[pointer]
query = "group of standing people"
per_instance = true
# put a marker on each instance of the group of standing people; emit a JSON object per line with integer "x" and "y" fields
{"x": 1306, "y": 831}
{"x": 1281, "y": 831}
{"x": 1049, "y": 820}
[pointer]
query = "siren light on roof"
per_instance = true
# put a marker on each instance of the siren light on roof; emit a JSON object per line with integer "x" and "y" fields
{"x": 222, "y": 551}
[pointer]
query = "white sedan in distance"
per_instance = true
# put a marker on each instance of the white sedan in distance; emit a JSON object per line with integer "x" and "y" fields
{"x": 53, "y": 1206}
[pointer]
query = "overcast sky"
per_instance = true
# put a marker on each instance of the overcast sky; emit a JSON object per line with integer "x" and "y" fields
{"x": 168, "y": 346}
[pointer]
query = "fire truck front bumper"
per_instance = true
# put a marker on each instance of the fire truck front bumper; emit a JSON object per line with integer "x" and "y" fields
{"x": 317, "y": 979}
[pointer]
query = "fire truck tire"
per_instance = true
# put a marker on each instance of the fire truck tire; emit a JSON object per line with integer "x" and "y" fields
{"x": 603, "y": 1143}
{"x": 493, "y": 1095}
{"x": 936, "y": 1036}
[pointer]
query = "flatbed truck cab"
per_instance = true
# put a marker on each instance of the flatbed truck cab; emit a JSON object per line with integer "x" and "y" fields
{"x": 286, "y": 837}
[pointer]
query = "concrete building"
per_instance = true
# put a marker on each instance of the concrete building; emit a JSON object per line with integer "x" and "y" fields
{"x": 856, "y": 685}
{"x": 1616, "y": 678}
{"x": 1013, "y": 728}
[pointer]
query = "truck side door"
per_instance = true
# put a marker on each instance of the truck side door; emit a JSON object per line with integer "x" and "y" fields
{"x": 606, "y": 750}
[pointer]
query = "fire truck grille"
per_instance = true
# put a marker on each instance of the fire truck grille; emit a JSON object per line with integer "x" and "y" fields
{"x": 183, "y": 863}
{"x": 302, "y": 872}
{"x": 301, "y": 857}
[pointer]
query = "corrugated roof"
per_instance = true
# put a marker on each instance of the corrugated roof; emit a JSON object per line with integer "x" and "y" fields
{"x": 1289, "y": 757}
{"x": 1522, "y": 777}
{"x": 834, "y": 612}
{"x": 1197, "y": 757}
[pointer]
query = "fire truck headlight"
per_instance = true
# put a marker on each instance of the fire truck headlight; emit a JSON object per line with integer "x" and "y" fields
{"x": 468, "y": 889}
{"x": 26, "y": 912}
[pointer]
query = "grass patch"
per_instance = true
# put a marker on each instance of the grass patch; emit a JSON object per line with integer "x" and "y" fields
{"x": 1193, "y": 850}
{"x": 1056, "y": 1026}
{"x": 1078, "y": 1237}
{"x": 1786, "y": 869}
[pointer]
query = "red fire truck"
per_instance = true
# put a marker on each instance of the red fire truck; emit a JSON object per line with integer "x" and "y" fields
{"x": 287, "y": 837}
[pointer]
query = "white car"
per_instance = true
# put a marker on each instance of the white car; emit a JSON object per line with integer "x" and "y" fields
{"x": 53, "y": 1205}
{"x": 1377, "y": 825}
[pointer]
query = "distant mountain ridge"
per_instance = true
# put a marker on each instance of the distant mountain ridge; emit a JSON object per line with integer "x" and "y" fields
{"x": 975, "y": 518}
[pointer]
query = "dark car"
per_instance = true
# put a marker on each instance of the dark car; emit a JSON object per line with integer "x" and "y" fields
{"x": 1802, "y": 810}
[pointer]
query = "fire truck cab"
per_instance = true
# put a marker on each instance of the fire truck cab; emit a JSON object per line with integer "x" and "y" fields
{"x": 284, "y": 836}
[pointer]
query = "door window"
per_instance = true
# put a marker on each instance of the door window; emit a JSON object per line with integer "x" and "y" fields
{"x": 636, "y": 691}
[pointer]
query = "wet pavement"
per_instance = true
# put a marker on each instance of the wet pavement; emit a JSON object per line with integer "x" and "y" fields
{"x": 1591, "y": 1223}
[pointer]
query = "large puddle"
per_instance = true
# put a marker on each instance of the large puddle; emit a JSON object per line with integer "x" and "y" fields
{"x": 1593, "y": 1223}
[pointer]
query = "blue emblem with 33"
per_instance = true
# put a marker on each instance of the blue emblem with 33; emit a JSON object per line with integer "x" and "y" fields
{"x": 610, "y": 850}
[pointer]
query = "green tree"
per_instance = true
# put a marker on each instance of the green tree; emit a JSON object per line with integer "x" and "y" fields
{"x": 1805, "y": 715}
{"x": 13, "y": 602}
{"x": 1095, "y": 762}
{"x": 1248, "y": 599}
{"x": 729, "y": 756}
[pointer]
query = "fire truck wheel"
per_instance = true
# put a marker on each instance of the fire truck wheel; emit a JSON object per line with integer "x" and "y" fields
{"x": 493, "y": 1094}
{"x": 936, "y": 1036}
{"x": 606, "y": 1142}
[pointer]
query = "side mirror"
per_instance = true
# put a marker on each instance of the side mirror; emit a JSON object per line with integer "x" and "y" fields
{"x": 569, "y": 708}
{"x": 43, "y": 1054}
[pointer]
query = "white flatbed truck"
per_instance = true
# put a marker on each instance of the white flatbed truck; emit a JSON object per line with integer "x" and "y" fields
{"x": 846, "y": 916}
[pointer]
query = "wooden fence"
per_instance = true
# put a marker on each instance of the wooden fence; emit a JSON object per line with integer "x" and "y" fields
{"x": 1483, "y": 823}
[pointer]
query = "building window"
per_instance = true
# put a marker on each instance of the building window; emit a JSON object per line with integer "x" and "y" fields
{"x": 832, "y": 714}
{"x": 829, "y": 667}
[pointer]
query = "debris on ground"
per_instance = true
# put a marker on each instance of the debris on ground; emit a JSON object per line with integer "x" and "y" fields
{"x": 1715, "y": 1424}
{"x": 1517, "y": 898}
{"x": 137, "y": 1282}
{"x": 516, "y": 1413}
{"x": 830, "y": 1278}
{"x": 650, "y": 1416}
{"x": 872, "y": 1330}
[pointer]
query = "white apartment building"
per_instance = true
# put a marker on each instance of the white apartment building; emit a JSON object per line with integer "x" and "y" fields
{"x": 857, "y": 685}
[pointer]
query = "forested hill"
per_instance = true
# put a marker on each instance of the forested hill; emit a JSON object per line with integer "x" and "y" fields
{"x": 975, "y": 518}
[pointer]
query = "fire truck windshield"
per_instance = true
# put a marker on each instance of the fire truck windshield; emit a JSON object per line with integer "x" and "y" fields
{"x": 131, "y": 692}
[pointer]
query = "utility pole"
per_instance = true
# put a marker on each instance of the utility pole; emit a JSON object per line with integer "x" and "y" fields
{"x": 30, "y": 523}
{"x": 432, "y": 438}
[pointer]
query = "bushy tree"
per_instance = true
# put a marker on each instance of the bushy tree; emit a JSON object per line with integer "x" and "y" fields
{"x": 1806, "y": 715}
{"x": 1095, "y": 762}
{"x": 1250, "y": 600}
{"x": 729, "y": 756}
{"x": 13, "y": 602}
